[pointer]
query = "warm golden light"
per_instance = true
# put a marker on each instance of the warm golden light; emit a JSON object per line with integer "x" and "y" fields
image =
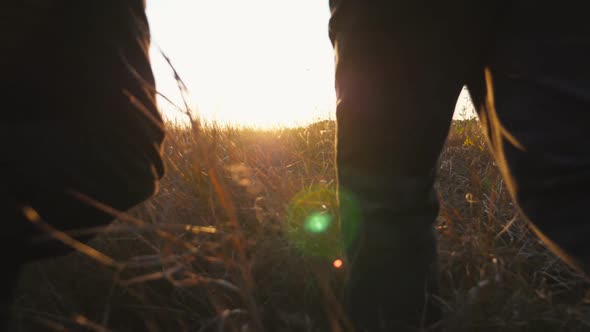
{"x": 260, "y": 63}
{"x": 338, "y": 263}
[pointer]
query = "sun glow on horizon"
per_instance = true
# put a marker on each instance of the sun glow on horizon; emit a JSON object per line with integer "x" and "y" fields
{"x": 257, "y": 63}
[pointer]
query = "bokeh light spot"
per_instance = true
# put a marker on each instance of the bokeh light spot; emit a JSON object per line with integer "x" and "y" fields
{"x": 318, "y": 222}
{"x": 312, "y": 222}
{"x": 338, "y": 263}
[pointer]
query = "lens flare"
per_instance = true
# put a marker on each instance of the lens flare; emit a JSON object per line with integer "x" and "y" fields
{"x": 318, "y": 222}
{"x": 338, "y": 263}
{"x": 312, "y": 223}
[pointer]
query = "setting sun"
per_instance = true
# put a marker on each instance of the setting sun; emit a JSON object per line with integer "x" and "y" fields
{"x": 256, "y": 63}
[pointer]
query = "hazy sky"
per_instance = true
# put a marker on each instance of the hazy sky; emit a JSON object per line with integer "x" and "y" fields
{"x": 255, "y": 62}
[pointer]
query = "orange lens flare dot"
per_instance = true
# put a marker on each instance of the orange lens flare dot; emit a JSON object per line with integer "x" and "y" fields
{"x": 338, "y": 263}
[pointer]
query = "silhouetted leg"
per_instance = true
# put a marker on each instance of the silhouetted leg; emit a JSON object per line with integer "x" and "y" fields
{"x": 11, "y": 254}
{"x": 80, "y": 116}
{"x": 399, "y": 70}
{"x": 7, "y": 289}
{"x": 541, "y": 82}
{"x": 87, "y": 118}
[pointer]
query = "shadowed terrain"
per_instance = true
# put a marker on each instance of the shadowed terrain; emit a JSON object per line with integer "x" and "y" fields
{"x": 242, "y": 236}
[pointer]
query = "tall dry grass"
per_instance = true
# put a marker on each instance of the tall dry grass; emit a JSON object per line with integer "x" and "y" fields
{"x": 223, "y": 247}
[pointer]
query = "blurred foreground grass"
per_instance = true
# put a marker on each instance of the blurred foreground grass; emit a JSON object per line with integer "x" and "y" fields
{"x": 226, "y": 246}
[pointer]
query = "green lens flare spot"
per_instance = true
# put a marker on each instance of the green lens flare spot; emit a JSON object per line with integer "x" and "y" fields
{"x": 312, "y": 222}
{"x": 317, "y": 222}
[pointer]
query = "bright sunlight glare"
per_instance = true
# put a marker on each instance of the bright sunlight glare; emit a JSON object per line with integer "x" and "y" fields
{"x": 257, "y": 63}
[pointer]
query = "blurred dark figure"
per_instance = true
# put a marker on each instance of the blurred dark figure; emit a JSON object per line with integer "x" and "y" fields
{"x": 400, "y": 66}
{"x": 79, "y": 116}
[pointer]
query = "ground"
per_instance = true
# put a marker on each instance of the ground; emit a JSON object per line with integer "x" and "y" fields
{"x": 242, "y": 234}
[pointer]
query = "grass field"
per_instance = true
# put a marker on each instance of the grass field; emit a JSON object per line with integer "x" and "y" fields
{"x": 224, "y": 247}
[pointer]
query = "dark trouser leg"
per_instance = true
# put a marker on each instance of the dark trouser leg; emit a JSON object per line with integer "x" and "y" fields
{"x": 80, "y": 77}
{"x": 7, "y": 289}
{"x": 541, "y": 82}
{"x": 88, "y": 122}
{"x": 11, "y": 255}
{"x": 397, "y": 80}
{"x": 551, "y": 173}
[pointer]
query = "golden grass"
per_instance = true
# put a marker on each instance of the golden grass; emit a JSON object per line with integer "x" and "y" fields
{"x": 221, "y": 246}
